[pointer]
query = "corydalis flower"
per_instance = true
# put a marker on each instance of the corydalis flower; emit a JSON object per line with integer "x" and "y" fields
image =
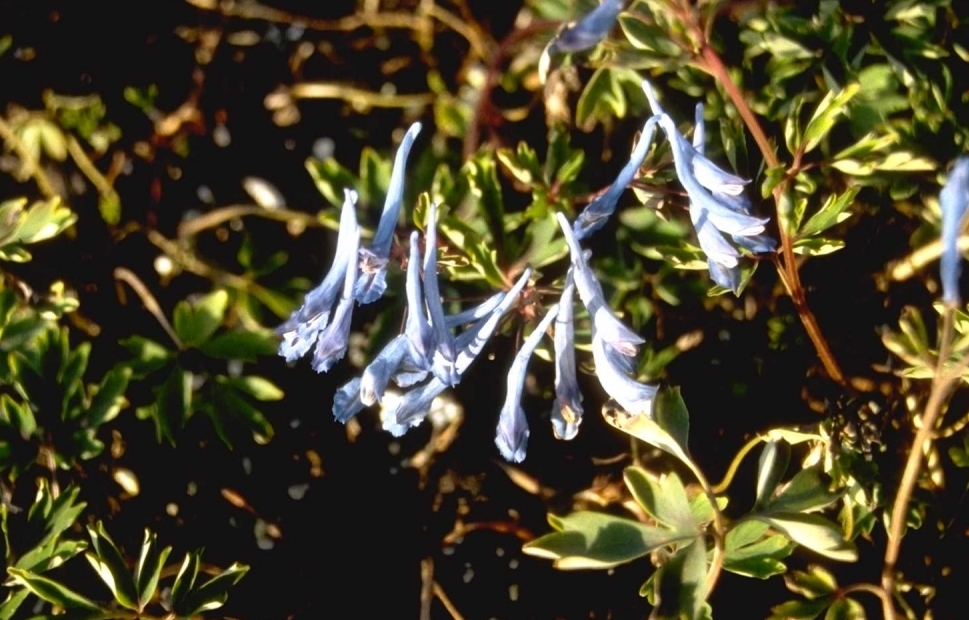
{"x": 445, "y": 353}
{"x": 413, "y": 407}
{"x": 373, "y": 260}
{"x": 604, "y": 320}
{"x": 567, "y": 408}
{"x": 582, "y": 34}
{"x": 717, "y": 203}
{"x": 954, "y": 200}
{"x": 311, "y": 324}
{"x": 512, "y": 434}
{"x": 595, "y": 215}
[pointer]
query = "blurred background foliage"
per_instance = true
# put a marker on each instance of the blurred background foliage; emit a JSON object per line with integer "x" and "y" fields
{"x": 172, "y": 173}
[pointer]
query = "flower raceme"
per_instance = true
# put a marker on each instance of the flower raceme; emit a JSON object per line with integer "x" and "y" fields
{"x": 718, "y": 205}
{"x": 435, "y": 349}
{"x": 582, "y": 34}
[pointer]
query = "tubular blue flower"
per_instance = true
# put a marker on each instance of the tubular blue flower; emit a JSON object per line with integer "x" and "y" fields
{"x": 413, "y": 407}
{"x": 331, "y": 344}
{"x": 589, "y": 30}
{"x": 346, "y": 401}
{"x": 512, "y": 433}
{"x": 373, "y": 260}
{"x": 305, "y": 325}
{"x": 376, "y": 376}
{"x": 597, "y": 212}
{"x": 717, "y": 203}
{"x": 954, "y": 200}
{"x": 444, "y": 355}
{"x": 567, "y": 408}
{"x": 611, "y": 369}
{"x": 605, "y": 321}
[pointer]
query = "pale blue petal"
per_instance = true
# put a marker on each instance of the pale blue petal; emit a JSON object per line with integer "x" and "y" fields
{"x": 473, "y": 314}
{"x": 417, "y": 329}
{"x": 373, "y": 260}
{"x": 567, "y": 409}
{"x": 591, "y": 29}
{"x": 445, "y": 353}
{"x": 631, "y": 395}
{"x": 377, "y": 374}
{"x": 346, "y": 401}
{"x": 597, "y": 213}
{"x": 512, "y": 433}
{"x": 608, "y": 324}
{"x": 331, "y": 344}
{"x": 953, "y": 199}
{"x": 303, "y": 327}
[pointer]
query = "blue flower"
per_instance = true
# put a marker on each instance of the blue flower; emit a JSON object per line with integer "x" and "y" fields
{"x": 603, "y": 319}
{"x": 307, "y": 325}
{"x": 445, "y": 353}
{"x": 373, "y": 260}
{"x": 954, "y": 200}
{"x": 595, "y": 215}
{"x": 588, "y": 31}
{"x": 412, "y": 408}
{"x": 331, "y": 343}
{"x": 512, "y": 434}
{"x": 612, "y": 369}
{"x": 717, "y": 203}
{"x": 567, "y": 408}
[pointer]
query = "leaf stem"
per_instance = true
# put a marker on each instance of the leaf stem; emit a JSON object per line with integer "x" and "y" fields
{"x": 942, "y": 385}
{"x": 711, "y": 62}
{"x": 719, "y": 531}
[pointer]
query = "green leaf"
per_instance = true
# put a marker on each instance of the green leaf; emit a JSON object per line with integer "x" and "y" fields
{"x": 595, "y": 540}
{"x": 804, "y": 493}
{"x": 845, "y": 609}
{"x": 172, "y": 406}
{"x": 149, "y": 568}
{"x": 196, "y": 321}
{"x": 799, "y": 609}
{"x": 111, "y": 567}
{"x": 185, "y": 580}
{"x": 817, "y": 582}
{"x": 648, "y": 37}
{"x": 770, "y": 469}
{"x": 681, "y": 582}
{"x": 50, "y": 590}
{"x": 667, "y": 430}
{"x": 257, "y": 387}
{"x": 814, "y": 532}
{"x": 109, "y": 399}
{"x": 602, "y": 97}
{"x": 665, "y": 500}
{"x": 213, "y": 593}
{"x": 831, "y": 212}
{"x": 751, "y": 552}
{"x": 331, "y": 179}
{"x": 817, "y": 246}
{"x": 149, "y": 356}
{"x": 44, "y": 220}
{"x": 13, "y": 602}
{"x": 831, "y": 107}
{"x": 244, "y": 345}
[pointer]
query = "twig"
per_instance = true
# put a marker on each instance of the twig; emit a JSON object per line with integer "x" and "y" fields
{"x": 943, "y": 383}
{"x": 148, "y": 300}
{"x": 711, "y": 62}
{"x": 719, "y": 531}
{"x": 31, "y": 165}
{"x": 427, "y": 587}
{"x": 451, "y": 609}
{"x": 192, "y": 227}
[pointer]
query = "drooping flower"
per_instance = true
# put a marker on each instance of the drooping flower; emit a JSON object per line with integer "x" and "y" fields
{"x": 717, "y": 203}
{"x": 305, "y": 326}
{"x": 567, "y": 408}
{"x": 612, "y": 369}
{"x": 373, "y": 260}
{"x": 512, "y": 433}
{"x": 411, "y": 409}
{"x": 445, "y": 351}
{"x": 954, "y": 201}
{"x": 331, "y": 344}
{"x": 582, "y": 34}
{"x": 597, "y": 212}
{"x": 590, "y": 29}
{"x": 590, "y": 292}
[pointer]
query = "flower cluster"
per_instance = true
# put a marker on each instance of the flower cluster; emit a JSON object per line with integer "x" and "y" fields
{"x": 435, "y": 349}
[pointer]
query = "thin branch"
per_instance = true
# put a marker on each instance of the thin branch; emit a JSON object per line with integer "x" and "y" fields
{"x": 31, "y": 165}
{"x": 148, "y": 300}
